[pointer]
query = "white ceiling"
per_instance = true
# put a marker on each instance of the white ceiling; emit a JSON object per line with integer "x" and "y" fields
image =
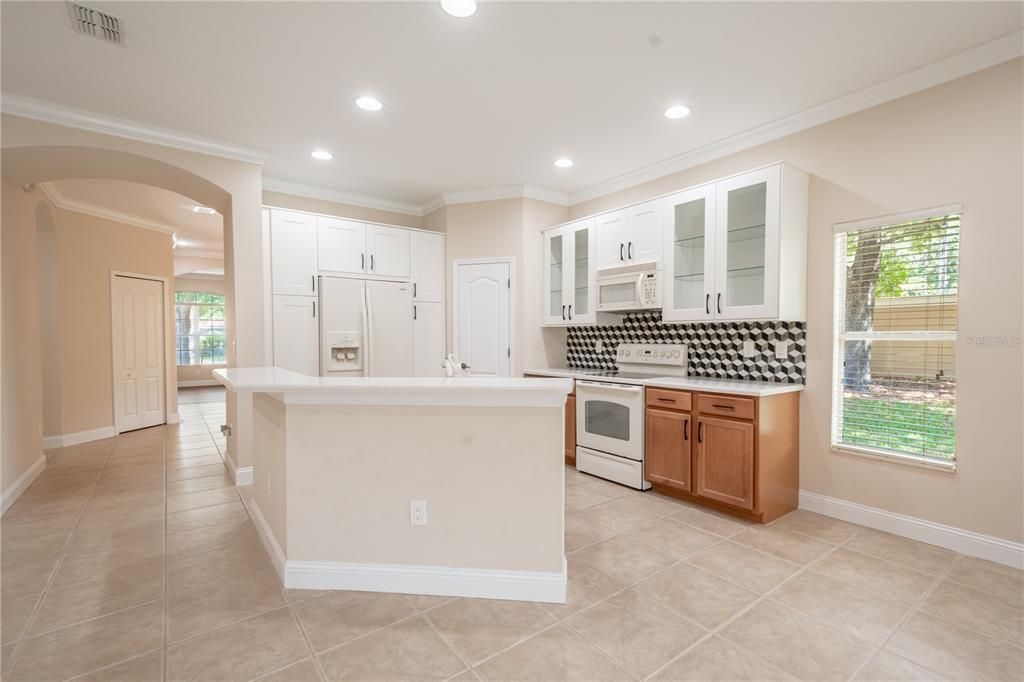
{"x": 488, "y": 101}
{"x": 145, "y": 205}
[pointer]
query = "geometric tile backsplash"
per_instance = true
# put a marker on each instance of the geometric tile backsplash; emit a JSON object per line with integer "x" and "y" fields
{"x": 715, "y": 349}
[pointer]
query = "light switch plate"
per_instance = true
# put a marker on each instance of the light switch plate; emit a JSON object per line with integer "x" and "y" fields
{"x": 781, "y": 350}
{"x": 748, "y": 349}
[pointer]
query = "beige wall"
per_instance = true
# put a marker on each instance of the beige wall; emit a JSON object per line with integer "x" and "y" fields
{"x": 202, "y": 373}
{"x": 88, "y": 250}
{"x": 958, "y": 142}
{"x": 49, "y": 317}
{"x": 22, "y": 385}
{"x": 334, "y": 208}
{"x": 34, "y": 151}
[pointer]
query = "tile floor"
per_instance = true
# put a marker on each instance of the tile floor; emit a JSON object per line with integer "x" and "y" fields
{"x": 134, "y": 559}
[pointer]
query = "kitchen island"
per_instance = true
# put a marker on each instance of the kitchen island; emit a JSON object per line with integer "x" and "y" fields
{"x": 415, "y": 485}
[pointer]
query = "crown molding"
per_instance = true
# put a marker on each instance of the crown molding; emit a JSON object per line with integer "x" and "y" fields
{"x": 193, "y": 252}
{"x": 956, "y": 66}
{"x": 339, "y": 196}
{"x": 26, "y": 107}
{"x": 63, "y": 202}
{"x": 432, "y": 205}
{"x": 551, "y": 196}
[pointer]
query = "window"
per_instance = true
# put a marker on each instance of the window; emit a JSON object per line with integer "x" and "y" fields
{"x": 199, "y": 326}
{"x": 894, "y": 384}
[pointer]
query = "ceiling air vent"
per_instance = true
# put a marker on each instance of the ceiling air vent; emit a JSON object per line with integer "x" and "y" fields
{"x": 95, "y": 23}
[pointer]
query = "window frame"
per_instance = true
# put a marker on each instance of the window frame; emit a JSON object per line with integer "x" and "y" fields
{"x": 196, "y": 335}
{"x": 840, "y": 336}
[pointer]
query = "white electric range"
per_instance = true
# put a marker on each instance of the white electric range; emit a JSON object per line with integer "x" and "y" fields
{"x": 610, "y": 410}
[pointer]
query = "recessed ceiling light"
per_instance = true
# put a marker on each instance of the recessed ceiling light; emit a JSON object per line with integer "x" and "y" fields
{"x": 368, "y": 103}
{"x": 564, "y": 163}
{"x": 459, "y": 8}
{"x": 677, "y": 111}
{"x": 203, "y": 209}
{"x": 321, "y": 154}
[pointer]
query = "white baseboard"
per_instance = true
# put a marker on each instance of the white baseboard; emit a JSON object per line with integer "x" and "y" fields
{"x": 198, "y": 383}
{"x": 79, "y": 437}
{"x": 14, "y": 490}
{"x": 277, "y": 556}
{"x": 243, "y": 476}
{"x": 434, "y": 580}
{"x": 966, "y": 542}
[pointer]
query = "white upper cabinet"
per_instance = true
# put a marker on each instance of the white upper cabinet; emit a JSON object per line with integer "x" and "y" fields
{"x": 643, "y": 239}
{"x": 293, "y": 253}
{"x": 688, "y": 275}
{"x": 341, "y": 245}
{"x": 427, "y": 266}
{"x": 612, "y": 235}
{"x": 570, "y": 291}
{"x": 387, "y": 251}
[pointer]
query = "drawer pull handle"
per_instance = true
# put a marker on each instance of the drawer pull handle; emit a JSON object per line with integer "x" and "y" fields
{"x": 724, "y": 407}
{"x": 667, "y": 400}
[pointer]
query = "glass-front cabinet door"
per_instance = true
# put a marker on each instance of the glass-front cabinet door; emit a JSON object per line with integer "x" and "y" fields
{"x": 580, "y": 309}
{"x": 689, "y": 255}
{"x": 554, "y": 277}
{"x": 747, "y": 246}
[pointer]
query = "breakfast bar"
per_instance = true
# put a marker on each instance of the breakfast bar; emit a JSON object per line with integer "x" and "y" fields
{"x": 415, "y": 485}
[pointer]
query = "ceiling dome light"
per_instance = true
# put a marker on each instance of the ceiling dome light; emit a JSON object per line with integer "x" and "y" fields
{"x": 677, "y": 111}
{"x": 321, "y": 154}
{"x": 564, "y": 163}
{"x": 368, "y": 103}
{"x": 459, "y": 8}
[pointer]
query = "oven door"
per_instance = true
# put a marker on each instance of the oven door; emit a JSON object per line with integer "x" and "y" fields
{"x": 610, "y": 418}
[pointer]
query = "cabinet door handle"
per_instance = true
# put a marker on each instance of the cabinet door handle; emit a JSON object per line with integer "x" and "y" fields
{"x": 700, "y": 432}
{"x": 621, "y": 248}
{"x": 707, "y": 304}
{"x": 371, "y": 261}
{"x": 314, "y": 308}
{"x": 719, "y": 304}
{"x": 563, "y": 312}
{"x": 629, "y": 251}
{"x": 414, "y": 289}
{"x": 414, "y": 312}
{"x": 312, "y": 282}
{"x": 686, "y": 429}
{"x": 362, "y": 261}
{"x": 570, "y": 311}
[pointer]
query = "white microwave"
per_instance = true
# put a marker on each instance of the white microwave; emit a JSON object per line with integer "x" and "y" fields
{"x": 630, "y": 287}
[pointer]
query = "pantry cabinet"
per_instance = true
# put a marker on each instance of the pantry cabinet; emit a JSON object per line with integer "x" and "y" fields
{"x": 736, "y": 454}
{"x": 293, "y": 264}
{"x": 296, "y": 334}
{"x": 570, "y": 291}
{"x": 428, "y": 338}
{"x": 427, "y": 266}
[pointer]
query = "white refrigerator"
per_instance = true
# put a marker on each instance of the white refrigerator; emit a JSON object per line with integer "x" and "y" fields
{"x": 366, "y": 328}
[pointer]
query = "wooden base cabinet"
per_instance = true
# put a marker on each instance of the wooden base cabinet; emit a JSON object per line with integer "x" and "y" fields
{"x": 733, "y": 453}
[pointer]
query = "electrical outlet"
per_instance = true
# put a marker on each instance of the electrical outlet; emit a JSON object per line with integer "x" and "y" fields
{"x": 599, "y": 346}
{"x": 748, "y": 349}
{"x": 418, "y": 512}
{"x": 781, "y": 350}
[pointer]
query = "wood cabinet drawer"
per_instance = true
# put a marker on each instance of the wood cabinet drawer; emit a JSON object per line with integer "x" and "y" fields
{"x": 725, "y": 406}
{"x": 672, "y": 400}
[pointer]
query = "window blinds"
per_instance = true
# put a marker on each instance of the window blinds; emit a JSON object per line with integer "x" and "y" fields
{"x": 894, "y": 384}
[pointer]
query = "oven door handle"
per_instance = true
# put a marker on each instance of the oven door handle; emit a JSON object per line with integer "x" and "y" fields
{"x": 621, "y": 388}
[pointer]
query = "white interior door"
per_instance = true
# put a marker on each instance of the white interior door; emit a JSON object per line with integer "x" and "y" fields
{"x": 483, "y": 317}
{"x": 137, "y": 316}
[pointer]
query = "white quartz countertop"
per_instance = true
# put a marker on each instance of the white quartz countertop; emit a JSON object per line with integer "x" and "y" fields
{"x": 706, "y": 385}
{"x": 295, "y": 388}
